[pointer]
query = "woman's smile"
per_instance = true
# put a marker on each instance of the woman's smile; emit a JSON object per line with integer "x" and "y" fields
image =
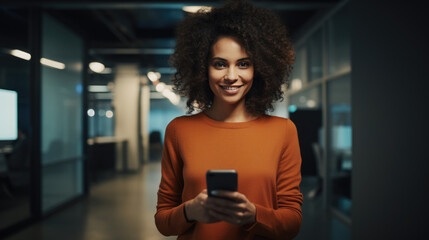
{"x": 231, "y": 90}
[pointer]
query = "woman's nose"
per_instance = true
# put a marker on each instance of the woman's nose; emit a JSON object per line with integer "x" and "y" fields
{"x": 232, "y": 74}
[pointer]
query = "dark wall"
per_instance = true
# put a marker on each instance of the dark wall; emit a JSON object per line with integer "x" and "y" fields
{"x": 390, "y": 133}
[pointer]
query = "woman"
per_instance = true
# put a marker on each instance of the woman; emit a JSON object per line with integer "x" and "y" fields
{"x": 231, "y": 63}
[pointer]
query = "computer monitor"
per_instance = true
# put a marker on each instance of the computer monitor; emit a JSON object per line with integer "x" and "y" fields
{"x": 8, "y": 115}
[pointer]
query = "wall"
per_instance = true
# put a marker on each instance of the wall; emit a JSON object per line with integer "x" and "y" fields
{"x": 391, "y": 165}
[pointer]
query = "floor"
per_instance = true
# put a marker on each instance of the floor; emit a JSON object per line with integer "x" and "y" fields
{"x": 122, "y": 207}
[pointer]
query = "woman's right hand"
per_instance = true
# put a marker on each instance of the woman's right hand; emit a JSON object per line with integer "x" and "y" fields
{"x": 196, "y": 210}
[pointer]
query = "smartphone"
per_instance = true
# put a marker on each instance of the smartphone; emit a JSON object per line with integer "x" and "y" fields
{"x": 221, "y": 180}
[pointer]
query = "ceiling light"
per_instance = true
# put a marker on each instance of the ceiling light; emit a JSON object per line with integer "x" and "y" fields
{"x": 160, "y": 87}
{"x": 52, "y": 63}
{"x": 109, "y": 114}
{"x": 96, "y": 67}
{"x": 174, "y": 99}
{"x": 98, "y": 88}
{"x": 91, "y": 112}
{"x": 152, "y": 76}
{"x": 311, "y": 103}
{"x": 194, "y": 9}
{"x": 296, "y": 84}
{"x": 20, "y": 54}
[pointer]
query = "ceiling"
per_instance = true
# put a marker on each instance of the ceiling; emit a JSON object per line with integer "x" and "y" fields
{"x": 143, "y": 32}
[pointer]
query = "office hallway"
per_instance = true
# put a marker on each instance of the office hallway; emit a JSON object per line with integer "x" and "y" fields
{"x": 122, "y": 207}
{"x": 119, "y": 207}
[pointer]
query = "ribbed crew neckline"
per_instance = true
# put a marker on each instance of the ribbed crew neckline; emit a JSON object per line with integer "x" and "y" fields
{"x": 220, "y": 124}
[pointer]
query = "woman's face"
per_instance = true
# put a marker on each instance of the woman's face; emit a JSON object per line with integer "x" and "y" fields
{"x": 230, "y": 72}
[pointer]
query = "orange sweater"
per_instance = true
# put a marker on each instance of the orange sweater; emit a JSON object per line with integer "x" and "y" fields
{"x": 264, "y": 152}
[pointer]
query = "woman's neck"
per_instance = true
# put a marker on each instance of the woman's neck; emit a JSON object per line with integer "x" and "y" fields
{"x": 229, "y": 112}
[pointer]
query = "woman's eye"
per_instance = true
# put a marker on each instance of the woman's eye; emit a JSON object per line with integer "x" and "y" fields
{"x": 219, "y": 65}
{"x": 243, "y": 64}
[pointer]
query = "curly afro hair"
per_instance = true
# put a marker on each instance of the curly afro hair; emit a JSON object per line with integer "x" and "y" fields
{"x": 260, "y": 32}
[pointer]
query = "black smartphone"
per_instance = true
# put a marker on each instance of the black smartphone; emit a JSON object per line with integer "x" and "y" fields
{"x": 218, "y": 179}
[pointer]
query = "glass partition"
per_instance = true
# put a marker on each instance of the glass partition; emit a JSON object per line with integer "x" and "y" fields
{"x": 299, "y": 73}
{"x": 315, "y": 53}
{"x": 15, "y": 140}
{"x": 340, "y": 147}
{"x": 338, "y": 41}
{"x": 61, "y": 104}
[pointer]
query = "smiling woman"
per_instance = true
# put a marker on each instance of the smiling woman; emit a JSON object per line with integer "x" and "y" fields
{"x": 231, "y": 63}
{"x": 259, "y": 32}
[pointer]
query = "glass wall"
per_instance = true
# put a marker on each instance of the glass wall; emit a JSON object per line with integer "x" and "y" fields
{"x": 61, "y": 104}
{"x": 323, "y": 65}
{"x": 15, "y": 123}
{"x": 338, "y": 41}
{"x": 340, "y": 147}
{"x": 100, "y": 112}
{"x": 315, "y": 58}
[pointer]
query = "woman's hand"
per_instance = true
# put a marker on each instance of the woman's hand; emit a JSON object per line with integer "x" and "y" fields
{"x": 196, "y": 209}
{"x": 231, "y": 207}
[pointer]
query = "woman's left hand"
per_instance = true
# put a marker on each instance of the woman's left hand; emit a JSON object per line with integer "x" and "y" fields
{"x": 231, "y": 207}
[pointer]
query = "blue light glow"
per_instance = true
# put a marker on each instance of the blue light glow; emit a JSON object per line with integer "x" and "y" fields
{"x": 79, "y": 88}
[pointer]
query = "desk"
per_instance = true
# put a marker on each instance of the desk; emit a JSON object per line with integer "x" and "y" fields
{"x": 105, "y": 154}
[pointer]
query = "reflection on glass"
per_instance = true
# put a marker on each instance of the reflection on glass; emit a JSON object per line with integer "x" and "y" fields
{"x": 338, "y": 49}
{"x": 61, "y": 116}
{"x": 15, "y": 122}
{"x": 305, "y": 110}
{"x": 299, "y": 73}
{"x": 315, "y": 52}
{"x": 340, "y": 152}
{"x": 308, "y": 99}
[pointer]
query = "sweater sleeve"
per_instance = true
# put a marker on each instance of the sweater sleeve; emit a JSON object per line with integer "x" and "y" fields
{"x": 285, "y": 221}
{"x": 169, "y": 217}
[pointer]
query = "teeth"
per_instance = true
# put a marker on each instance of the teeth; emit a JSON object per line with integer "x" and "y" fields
{"x": 230, "y": 88}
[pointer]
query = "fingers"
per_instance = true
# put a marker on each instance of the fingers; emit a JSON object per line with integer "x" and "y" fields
{"x": 235, "y": 196}
{"x": 225, "y": 204}
{"x": 233, "y": 219}
{"x": 231, "y": 207}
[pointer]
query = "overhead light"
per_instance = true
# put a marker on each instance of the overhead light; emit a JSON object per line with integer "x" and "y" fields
{"x": 160, "y": 87}
{"x": 194, "y": 9}
{"x": 101, "y": 112}
{"x": 98, "y": 88}
{"x": 96, "y": 67}
{"x": 52, "y": 63}
{"x": 152, "y": 76}
{"x": 296, "y": 84}
{"x": 174, "y": 99}
{"x": 109, "y": 113}
{"x": 311, "y": 103}
{"x": 44, "y": 61}
{"x": 91, "y": 112}
{"x": 20, "y": 54}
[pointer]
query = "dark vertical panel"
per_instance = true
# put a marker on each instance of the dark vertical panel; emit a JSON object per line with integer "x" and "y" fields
{"x": 390, "y": 134}
{"x": 86, "y": 156}
{"x": 35, "y": 29}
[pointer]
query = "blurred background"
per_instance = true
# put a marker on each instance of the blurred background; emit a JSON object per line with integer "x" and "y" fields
{"x": 86, "y": 94}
